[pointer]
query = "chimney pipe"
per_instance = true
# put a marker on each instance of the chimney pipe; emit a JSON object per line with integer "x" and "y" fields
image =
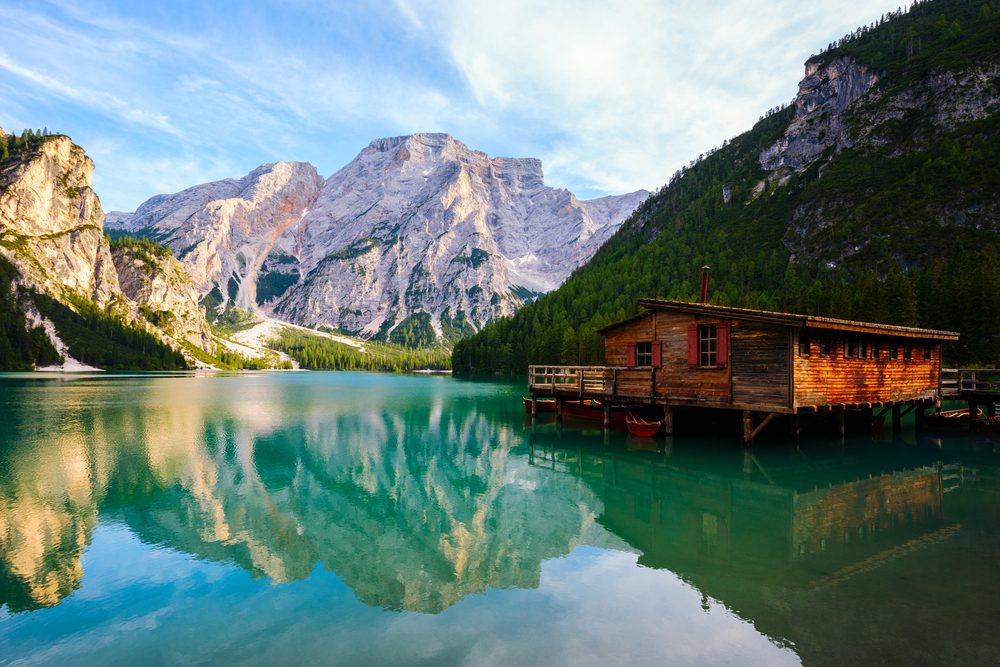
{"x": 705, "y": 270}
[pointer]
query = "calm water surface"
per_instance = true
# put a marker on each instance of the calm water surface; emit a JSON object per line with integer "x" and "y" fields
{"x": 339, "y": 518}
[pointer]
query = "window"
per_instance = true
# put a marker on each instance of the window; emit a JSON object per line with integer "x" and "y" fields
{"x": 908, "y": 351}
{"x": 850, "y": 348}
{"x": 894, "y": 350}
{"x": 803, "y": 344}
{"x": 708, "y": 340}
{"x": 824, "y": 346}
{"x": 927, "y": 352}
{"x": 644, "y": 354}
{"x": 863, "y": 351}
{"x": 708, "y": 345}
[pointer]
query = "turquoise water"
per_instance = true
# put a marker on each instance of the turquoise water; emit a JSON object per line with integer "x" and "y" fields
{"x": 349, "y": 518}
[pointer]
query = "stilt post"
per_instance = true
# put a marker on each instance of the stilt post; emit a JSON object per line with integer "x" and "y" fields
{"x": 668, "y": 420}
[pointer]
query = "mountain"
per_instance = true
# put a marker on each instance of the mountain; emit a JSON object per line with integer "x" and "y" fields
{"x": 416, "y": 238}
{"x": 874, "y": 196}
{"x": 61, "y": 297}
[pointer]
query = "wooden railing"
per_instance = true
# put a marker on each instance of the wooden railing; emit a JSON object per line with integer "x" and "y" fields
{"x": 955, "y": 381}
{"x": 592, "y": 381}
{"x": 567, "y": 379}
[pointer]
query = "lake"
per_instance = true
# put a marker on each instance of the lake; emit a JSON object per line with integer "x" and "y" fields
{"x": 352, "y": 518}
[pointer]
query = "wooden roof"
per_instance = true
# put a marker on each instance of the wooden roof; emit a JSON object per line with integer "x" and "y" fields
{"x": 785, "y": 319}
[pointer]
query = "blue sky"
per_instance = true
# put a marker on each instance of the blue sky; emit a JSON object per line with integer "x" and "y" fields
{"x": 612, "y": 96}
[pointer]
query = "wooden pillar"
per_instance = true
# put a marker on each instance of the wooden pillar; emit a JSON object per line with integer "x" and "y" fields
{"x": 747, "y": 428}
{"x": 668, "y": 420}
{"x": 842, "y": 423}
{"x": 607, "y": 415}
{"x": 559, "y": 414}
{"x": 973, "y": 412}
{"x": 534, "y": 405}
{"x": 795, "y": 426}
{"x": 897, "y": 419}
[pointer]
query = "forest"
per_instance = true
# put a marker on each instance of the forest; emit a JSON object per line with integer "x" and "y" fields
{"x": 316, "y": 352}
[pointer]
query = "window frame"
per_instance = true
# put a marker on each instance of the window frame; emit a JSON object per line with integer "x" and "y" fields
{"x": 708, "y": 346}
{"x": 644, "y": 355}
{"x": 825, "y": 343}
{"x": 805, "y": 344}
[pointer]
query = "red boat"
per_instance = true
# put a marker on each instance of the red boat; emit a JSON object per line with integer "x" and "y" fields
{"x": 542, "y": 404}
{"x": 591, "y": 410}
{"x": 641, "y": 428}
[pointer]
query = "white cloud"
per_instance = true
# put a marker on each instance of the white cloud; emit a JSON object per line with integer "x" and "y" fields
{"x": 629, "y": 92}
{"x": 91, "y": 98}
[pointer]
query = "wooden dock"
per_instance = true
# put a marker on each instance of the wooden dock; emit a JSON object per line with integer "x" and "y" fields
{"x": 979, "y": 387}
{"x": 629, "y": 387}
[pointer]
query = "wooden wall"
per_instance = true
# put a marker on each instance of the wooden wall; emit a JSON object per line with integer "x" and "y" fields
{"x": 674, "y": 379}
{"x": 824, "y": 380}
{"x": 761, "y": 364}
{"x": 763, "y": 360}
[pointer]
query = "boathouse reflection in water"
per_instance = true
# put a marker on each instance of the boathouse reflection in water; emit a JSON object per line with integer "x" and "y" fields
{"x": 818, "y": 548}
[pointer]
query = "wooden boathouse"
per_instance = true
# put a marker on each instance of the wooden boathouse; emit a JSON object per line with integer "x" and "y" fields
{"x": 759, "y": 363}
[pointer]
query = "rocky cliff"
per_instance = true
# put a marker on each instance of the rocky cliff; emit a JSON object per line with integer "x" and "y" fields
{"x": 417, "y": 229}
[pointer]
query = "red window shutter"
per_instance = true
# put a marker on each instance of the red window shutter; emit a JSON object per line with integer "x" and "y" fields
{"x": 631, "y": 355}
{"x": 722, "y": 354}
{"x": 693, "y": 345}
{"x": 657, "y": 352}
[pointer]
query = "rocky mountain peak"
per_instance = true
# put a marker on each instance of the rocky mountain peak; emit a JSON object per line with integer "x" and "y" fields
{"x": 417, "y": 228}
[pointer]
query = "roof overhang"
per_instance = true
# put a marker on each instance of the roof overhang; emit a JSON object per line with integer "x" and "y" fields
{"x": 783, "y": 319}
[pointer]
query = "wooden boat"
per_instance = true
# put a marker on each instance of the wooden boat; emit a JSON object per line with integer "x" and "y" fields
{"x": 951, "y": 417}
{"x": 591, "y": 410}
{"x": 542, "y": 404}
{"x": 641, "y": 428}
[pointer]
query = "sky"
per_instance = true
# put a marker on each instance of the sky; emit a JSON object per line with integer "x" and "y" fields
{"x": 612, "y": 96}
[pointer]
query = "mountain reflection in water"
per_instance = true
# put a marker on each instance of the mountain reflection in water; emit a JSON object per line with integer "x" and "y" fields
{"x": 413, "y": 506}
{"x": 419, "y": 492}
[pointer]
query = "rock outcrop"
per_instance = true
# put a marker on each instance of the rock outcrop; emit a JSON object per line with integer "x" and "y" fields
{"x": 417, "y": 228}
{"x": 825, "y": 93}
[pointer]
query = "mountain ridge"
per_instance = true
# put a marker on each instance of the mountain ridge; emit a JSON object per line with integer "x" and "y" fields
{"x": 417, "y": 231}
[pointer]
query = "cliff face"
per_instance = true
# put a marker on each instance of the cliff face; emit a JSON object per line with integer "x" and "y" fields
{"x": 825, "y": 93}
{"x": 223, "y": 231}
{"x": 414, "y": 226}
{"x": 50, "y": 223}
{"x": 840, "y": 107}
